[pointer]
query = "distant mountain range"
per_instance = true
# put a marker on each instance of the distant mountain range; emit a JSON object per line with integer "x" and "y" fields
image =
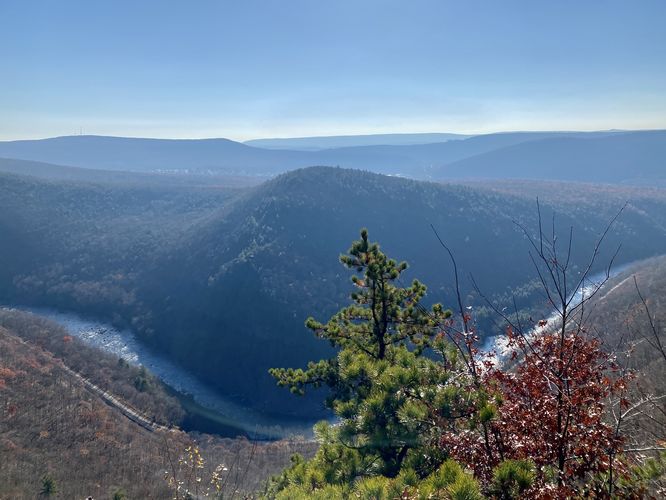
{"x": 638, "y": 157}
{"x": 606, "y": 156}
{"x": 121, "y": 177}
{"x": 344, "y": 141}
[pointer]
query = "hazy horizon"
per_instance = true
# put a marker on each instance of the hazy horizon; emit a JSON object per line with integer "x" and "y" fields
{"x": 268, "y": 70}
{"x": 294, "y": 137}
{"x": 182, "y": 184}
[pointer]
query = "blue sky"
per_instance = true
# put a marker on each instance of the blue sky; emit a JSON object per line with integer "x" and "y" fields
{"x": 249, "y": 69}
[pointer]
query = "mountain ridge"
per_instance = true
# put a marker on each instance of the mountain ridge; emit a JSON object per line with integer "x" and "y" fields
{"x": 622, "y": 156}
{"x": 315, "y": 143}
{"x": 222, "y": 282}
{"x": 453, "y": 159}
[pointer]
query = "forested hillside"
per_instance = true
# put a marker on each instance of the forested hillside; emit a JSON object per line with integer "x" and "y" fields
{"x": 52, "y": 428}
{"x": 630, "y": 158}
{"x": 120, "y": 177}
{"x": 105, "y": 234}
{"x": 221, "y": 280}
{"x": 272, "y": 260}
{"x": 334, "y": 250}
{"x": 55, "y": 431}
{"x": 629, "y": 314}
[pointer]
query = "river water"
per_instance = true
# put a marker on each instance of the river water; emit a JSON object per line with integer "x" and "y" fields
{"x": 125, "y": 345}
{"x": 497, "y": 343}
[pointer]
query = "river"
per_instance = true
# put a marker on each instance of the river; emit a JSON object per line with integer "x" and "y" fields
{"x": 497, "y": 343}
{"x": 208, "y": 408}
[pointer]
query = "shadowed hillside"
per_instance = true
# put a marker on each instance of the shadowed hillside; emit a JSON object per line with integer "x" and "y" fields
{"x": 222, "y": 281}
{"x": 272, "y": 260}
{"x": 634, "y": 158}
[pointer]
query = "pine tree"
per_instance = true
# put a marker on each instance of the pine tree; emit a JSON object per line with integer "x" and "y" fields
{"x": 49, "y": 487}
{"x": 383, "y": 388}
{"x": 119, "y": 494}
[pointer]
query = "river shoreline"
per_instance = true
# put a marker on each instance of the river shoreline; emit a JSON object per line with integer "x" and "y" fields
{"x": 497, "y": 343}
{"x": 207, "y": 410}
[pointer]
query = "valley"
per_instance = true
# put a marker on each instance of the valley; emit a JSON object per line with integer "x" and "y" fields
{"x": 205, "y": 409}
{"x": 88, "y": 438}
{"x": 219, "y": 280}
{"x": 201, "y": 282}
{"x": 341, "y": 250}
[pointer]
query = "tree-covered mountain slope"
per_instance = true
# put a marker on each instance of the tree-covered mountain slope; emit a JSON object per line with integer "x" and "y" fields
{"x": 99, "y": 235}
{"x": 629, "y": 314}
{"x": 632, "y": 158}
{"x": 55, "y": 427}
{"x": 222, "y": 281}
{"x": 50, "y": 171}
{"x": 258, "y": 271}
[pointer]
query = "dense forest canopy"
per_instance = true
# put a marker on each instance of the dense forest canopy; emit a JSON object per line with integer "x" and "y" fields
{"x": 221, "y": 278}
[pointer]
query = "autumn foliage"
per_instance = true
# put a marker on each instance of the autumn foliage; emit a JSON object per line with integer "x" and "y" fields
{"x": 52, "y": 425}
{"x": 549, "y": 409}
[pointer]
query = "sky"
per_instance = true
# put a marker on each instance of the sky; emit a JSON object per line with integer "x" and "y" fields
{"x": 281, "y": 68}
